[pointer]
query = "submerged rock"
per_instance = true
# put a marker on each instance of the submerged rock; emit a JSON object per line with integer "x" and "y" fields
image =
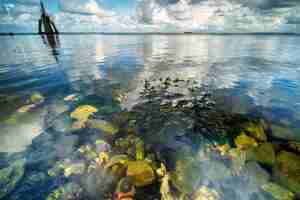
{"x": 37, "y": 98}
{"x": 256, "y": 131}
{"x": 295, "y": 146}
{"x": 139, "y": 150}
{"x": 82, "y": 113}
{"x": 285, "y": 133}
{"x": 125, "y": 189}
{"x": 26, "y": 108}
{"x": 104, "y": 126}
{"x": 72, "y": 97}
{"x": 88, "y": 152}
{"x": 186, "y": 175}
{"x": 204, "y": 193}
{"x": 289, "y": 164}
{"x": 287, "y": 171}
{"x": 264, "y": 154}
{"x": 245, "y": 142}
{"x": 141, "y": 173}
{"x": 165, "y": 190}
{"x": 117, "y": 165}
{"x": 10, "y": 176}
{"x": 256, "y": 175}
{"x": 74, "y": 169}
{"x": 69, "y": 191}
{"x": 278, "y": 192}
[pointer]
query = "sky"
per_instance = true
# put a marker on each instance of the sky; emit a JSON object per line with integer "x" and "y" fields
{"x": 154, "y": 15}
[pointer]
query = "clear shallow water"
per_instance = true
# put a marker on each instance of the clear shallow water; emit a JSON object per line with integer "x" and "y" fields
{"x": 246, "y": 74}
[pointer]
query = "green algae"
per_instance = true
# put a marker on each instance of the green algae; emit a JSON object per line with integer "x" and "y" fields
{"x": 141, "y": 173}
{"x": 10, "y": 176}
{"x": 104, "y": 126}
{"x": 278, "y": 192}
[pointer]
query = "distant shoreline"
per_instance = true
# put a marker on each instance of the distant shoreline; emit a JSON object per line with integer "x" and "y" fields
{"x": 153, "y": 33}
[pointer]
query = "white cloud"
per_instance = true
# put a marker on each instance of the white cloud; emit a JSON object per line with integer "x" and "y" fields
{"x": 163, "y": 16}
{"x": 83, "y": 7}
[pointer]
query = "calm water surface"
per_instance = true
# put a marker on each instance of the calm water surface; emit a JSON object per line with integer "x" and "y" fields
{"x": 247, "y": 74}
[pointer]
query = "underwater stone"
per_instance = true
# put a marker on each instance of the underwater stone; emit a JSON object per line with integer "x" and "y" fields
{"x": 10, "y": 176}
{"x": 285, "y": 133}
{"x": 26, "y": 108}
{"x": 165, "y": 189}
{"x": 295, "y": 146}
{"x": 116, "y": 160}
{"x": 102, "y": 146}
{"x": 215, "y": 170}
{"x": 278, "y": 192}
{"x": 82, "y": 113}
{"x": 187, "y": 174}
{"x": 139, "y": 150}
{"x": 204, "y": 193}
{"x": 125, "y": 189}
{"x": 36, "y": 98}
{"x": 141, "y": 173}
{"x": 103, "y": 126}
{"x": 72, "y": 97}
{"x": 74, "y": 169}
{"x": 287, "y": 171}
{"x": 257, "y": 176}
{"x": 68, "y": 191}
{"x": 256, "y": 131}
{"x": 245, "y": 142}
{"x": 289, "y": 164}
{"x": 264, "y": 154}
{"x": 88, "y": 152}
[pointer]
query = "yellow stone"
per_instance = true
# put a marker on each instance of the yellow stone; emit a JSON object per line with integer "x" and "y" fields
{"x": 162, "y": 171}
{"x": 256, "y": 131}
{"x": 82, "y": 113}
{"x": 223, "y": 149}
{"x": 141, "y": 173}
{"x": 102, "y": 159}
{"x": 103, "y": 126}
{"x": 245, "y": 142}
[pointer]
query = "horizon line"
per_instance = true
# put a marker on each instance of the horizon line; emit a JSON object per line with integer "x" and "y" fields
{"x": 151, "y": 33}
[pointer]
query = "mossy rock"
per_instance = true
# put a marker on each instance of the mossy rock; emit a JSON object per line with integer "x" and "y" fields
{"x": 205, "y": 193}
{"x": 289, "y": 164}
{"x": 238, "y": 158}
{"x": 117, "y": 160}
{"x": 243, "y": 141}
{"x": 10, "y": 176}
{"x": 257, "y": 175}
{"x": 256, "y": 131}
{"x": 287, "y": 171}
{"x": 139, "y": 150}
{"x": 37, "y": 98}
{"x": 295, "y": 146}
{"x": 104, "y": 126}
{"x": 285, "y": 133}
{"x": 184, "y": 178}
{"x": 141, "y": 173}
{"x": 288, "y": 182}
{"x": 278, "y": 192}
{"x": 74, "y": 169}
{"x": 264, "y": 154}
{"x": 82, "y": 113}
{"x": 68, "y": 191}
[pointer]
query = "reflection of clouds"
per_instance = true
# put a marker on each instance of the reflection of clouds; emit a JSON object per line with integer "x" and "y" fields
{"x": 81, "y": 63}
{"x": 184, "y": 57}
{"x": 250, "y": 65}
{"x": 16, "y": 138}
{"x": 26, "y": 55}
